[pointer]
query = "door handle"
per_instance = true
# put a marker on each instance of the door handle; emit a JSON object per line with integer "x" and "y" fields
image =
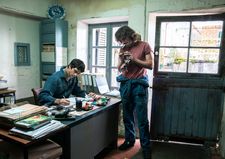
{"x": 156, "y": 53}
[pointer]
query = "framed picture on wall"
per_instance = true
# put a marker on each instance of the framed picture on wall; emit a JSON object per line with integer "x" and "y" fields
{"x": 22, "y": 54}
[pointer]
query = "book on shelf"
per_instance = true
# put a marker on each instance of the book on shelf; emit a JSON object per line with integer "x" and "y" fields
{"x": 94, "y": 84}
{"x": 33, "y": 122}
{"x": 87, "y": 84}
{"x": 82, "y": 82}
{"x": 39, "y": 132}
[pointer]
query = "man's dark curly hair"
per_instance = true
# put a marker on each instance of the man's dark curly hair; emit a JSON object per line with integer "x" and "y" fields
{"x": 77, "y": 63}
{"x": 124, "y": 32}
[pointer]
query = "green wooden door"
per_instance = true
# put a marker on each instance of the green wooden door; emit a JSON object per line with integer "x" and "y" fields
{"x": 187, "y": 102}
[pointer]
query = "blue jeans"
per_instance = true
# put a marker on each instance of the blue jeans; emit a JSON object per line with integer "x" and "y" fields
{"x": 137, "y": 103}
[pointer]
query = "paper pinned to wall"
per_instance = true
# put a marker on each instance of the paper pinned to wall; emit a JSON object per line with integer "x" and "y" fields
{"x": 47, "y": 56}
{"x": 61, "y": 57}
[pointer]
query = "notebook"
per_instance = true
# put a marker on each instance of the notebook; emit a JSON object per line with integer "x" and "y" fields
{"x": 103, "y": 87}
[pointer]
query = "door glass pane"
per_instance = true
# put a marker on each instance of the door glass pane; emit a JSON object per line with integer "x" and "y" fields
{"x": 174, "y": 33}
{"x": 206, "y": 33}
{"x": 99, "y": 56}
{"x": 114, "y": 42}
{"x": 173, "y": 59}
{"x": 115, "y": 56}
{"x": 99, "y": 37}
{"x": 115, "y": 73}
{"x": 203, "y": 61}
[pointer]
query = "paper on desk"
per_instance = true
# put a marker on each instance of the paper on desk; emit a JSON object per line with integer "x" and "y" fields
{"x": 14, "y": 110}
{"x": 114, "y": 93}
{"x": 72, "y": 102}
{"x": 82, "y": 112}
{"x": 37, "y": 133}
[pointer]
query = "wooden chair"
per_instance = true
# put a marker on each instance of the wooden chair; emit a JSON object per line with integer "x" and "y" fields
{"x": 36, "y": 92}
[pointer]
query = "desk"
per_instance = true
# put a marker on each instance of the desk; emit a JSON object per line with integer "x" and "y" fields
{"x": 84, "y": 137}
{"x": 8, "y": 93}
{"x": 88, "y": 135}
{"x": 24, "y": 143}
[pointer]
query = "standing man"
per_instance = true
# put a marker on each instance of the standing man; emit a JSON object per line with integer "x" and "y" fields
{"x": 62, "y": 84}
{"x": 134, "y": 59}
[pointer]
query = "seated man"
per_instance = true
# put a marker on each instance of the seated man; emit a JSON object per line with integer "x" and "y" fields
{"x": 62, "y": 84}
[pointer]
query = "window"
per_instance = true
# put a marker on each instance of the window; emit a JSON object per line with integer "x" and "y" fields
{"x": 104, "y": 50}
{"x": 189, "y": 45}
{"x": 22, "y": 54}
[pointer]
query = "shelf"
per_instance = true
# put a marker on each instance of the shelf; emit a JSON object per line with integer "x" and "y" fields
{"x": 54, "y": 43}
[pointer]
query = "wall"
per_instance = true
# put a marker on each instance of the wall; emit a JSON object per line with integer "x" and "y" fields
{"x": 21, "y": 78}
{"x": 20, "y": 23}
{"x": 182, "y": 5}
{"x": 138, "y": 13}
{"x": 32, "y": 8}
{"x": 84, "y": 12}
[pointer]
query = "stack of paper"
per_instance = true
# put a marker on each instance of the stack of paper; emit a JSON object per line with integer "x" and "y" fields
{"x": 10, "y": 116}
{"x": 72, "y": 102}
{"x": 37, "y": 133}
{"x": 22, "y": 111}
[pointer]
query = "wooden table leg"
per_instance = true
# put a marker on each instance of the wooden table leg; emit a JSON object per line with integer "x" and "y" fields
{"x": 25, "y": 153}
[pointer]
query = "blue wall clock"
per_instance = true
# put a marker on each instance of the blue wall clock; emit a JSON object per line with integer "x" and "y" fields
{"x": 56, "y": 12}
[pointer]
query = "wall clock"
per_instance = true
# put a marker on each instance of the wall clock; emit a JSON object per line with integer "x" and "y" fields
{"x": 56, "y": 12}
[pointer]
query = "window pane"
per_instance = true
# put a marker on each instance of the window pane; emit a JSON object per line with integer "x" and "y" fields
{"x": 115, "y": 73}
{"x": 99, "y": 56}
{"x": 98, "y": 70}
{"x": 22, "y": 54}
{"x": 173, "y": 59}
{"x": 206, "y": 33}
{"x": 204, "y": 61}
{"x": 104, "y": 50}
{"x": 115, "y": 56}
{"x": 99, "y": 37}
{"x": 170, "y": 30}
{"x": 114, "y": 42}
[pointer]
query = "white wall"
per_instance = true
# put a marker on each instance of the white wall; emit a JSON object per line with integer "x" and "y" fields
{"x": 21, "y": 78}
{"x": 19, "y": 22}
{"x": 86, "y": 12}
{"x": 35, "y": 8}
{"x": 82, "y": 45}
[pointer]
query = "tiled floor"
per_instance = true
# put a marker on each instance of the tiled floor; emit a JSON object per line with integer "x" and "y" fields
{"x": 165, "y": 150}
